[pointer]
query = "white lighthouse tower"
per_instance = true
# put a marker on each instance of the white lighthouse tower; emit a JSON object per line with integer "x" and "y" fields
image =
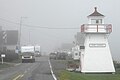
{"x": 96, "y": 57}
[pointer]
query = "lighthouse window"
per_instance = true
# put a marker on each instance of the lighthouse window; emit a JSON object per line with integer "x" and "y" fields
{"x": 96, "y": 21}
{"x": 76, "y": 54}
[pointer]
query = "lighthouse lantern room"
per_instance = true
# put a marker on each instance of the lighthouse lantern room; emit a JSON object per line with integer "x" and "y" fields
{"x": 96, "y": 57}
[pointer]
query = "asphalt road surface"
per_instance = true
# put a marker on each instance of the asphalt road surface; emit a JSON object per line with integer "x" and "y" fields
{"x": 40, "y": 70}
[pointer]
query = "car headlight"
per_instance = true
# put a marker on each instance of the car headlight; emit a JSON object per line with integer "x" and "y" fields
{"x": 22, "y": 57}
{"x": 30, "y": 56}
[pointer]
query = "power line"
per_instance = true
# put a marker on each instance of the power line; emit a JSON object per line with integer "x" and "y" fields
{"x": 47, "y": 27}
{"x": 34, "y": 26}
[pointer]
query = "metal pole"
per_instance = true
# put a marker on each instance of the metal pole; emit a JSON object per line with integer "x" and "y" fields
{"x": 20, "y": 30}
{"x": 97, "y": 28}
{"x": 29, "y": 37}
{"x": 2, "y": 60}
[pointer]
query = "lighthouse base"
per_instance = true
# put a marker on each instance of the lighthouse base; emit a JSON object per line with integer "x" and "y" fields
{"x": 96, "y": 57}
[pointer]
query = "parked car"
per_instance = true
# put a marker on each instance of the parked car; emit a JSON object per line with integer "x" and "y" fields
{"x": 53, "y": 56}
{"x": 61, "y": 55}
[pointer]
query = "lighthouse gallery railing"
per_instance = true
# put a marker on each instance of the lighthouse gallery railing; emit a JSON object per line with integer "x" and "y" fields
{"x": 96, "y": 28}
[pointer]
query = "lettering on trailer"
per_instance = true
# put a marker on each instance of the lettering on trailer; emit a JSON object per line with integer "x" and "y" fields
{"x": 92, "y": 45}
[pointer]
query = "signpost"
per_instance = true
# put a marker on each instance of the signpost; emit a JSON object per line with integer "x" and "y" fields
{"x": 17, "y": 50}
{"x": 2, "y": 56}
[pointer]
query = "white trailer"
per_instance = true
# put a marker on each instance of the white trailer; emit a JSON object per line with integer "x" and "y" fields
{"x": 27, "y": 53}
{"x": 37, "y": 51}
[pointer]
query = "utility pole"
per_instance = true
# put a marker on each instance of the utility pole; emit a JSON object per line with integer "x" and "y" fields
{"x": 29, "y": 36}
{"x": 20, "y": 31}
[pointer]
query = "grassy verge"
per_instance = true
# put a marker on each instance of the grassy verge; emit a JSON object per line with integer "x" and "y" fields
{"x": 5, "y": 65}
{"x": 59, "y": 68}
{"x": 65, "y": 75}
{"x": 16, "y": 61}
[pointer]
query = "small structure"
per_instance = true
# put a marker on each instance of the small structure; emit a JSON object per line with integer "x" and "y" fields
{"x": 76, "y": 52}
{"x": 96, "y": 56}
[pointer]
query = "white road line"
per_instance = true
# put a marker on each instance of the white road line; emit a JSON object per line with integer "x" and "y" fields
{"x": 22, "y": 75}
{"x": 19, "y": 76}
{"x": 16, "y": 77}
{"x": 17, "y": 64}
{"x": 52, "y": 71}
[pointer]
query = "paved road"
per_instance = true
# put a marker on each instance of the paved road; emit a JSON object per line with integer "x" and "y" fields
{"x": 40, "y": 70}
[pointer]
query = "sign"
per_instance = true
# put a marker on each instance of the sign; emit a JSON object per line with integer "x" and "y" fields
{"x": 2, "y": 55}
{"x": 97, "y": 45}
{"x": 82, "y": 47}
{"x": 4, "y": 34}
{"x": 16, "y": 51}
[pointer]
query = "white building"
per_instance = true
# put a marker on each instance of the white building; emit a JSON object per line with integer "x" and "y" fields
{"x": 96, "y": 57}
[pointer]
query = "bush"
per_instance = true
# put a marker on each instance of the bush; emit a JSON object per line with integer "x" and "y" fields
{"x": 10, "y": 56}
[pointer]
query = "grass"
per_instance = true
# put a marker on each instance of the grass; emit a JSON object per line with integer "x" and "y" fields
{"x": 16, "y": 61}
{"x": 62, "y": 74}
{"x": 5, "y": 65}
{"x": 65, "y": 75}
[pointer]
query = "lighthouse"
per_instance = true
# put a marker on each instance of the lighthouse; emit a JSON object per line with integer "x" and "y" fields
{"x": 96, "y": 56}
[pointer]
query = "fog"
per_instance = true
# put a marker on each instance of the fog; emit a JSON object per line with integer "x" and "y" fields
{"x": 54, "y": 14}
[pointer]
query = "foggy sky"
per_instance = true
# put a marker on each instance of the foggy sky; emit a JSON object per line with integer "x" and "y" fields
{"x": 58, "y": 13}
